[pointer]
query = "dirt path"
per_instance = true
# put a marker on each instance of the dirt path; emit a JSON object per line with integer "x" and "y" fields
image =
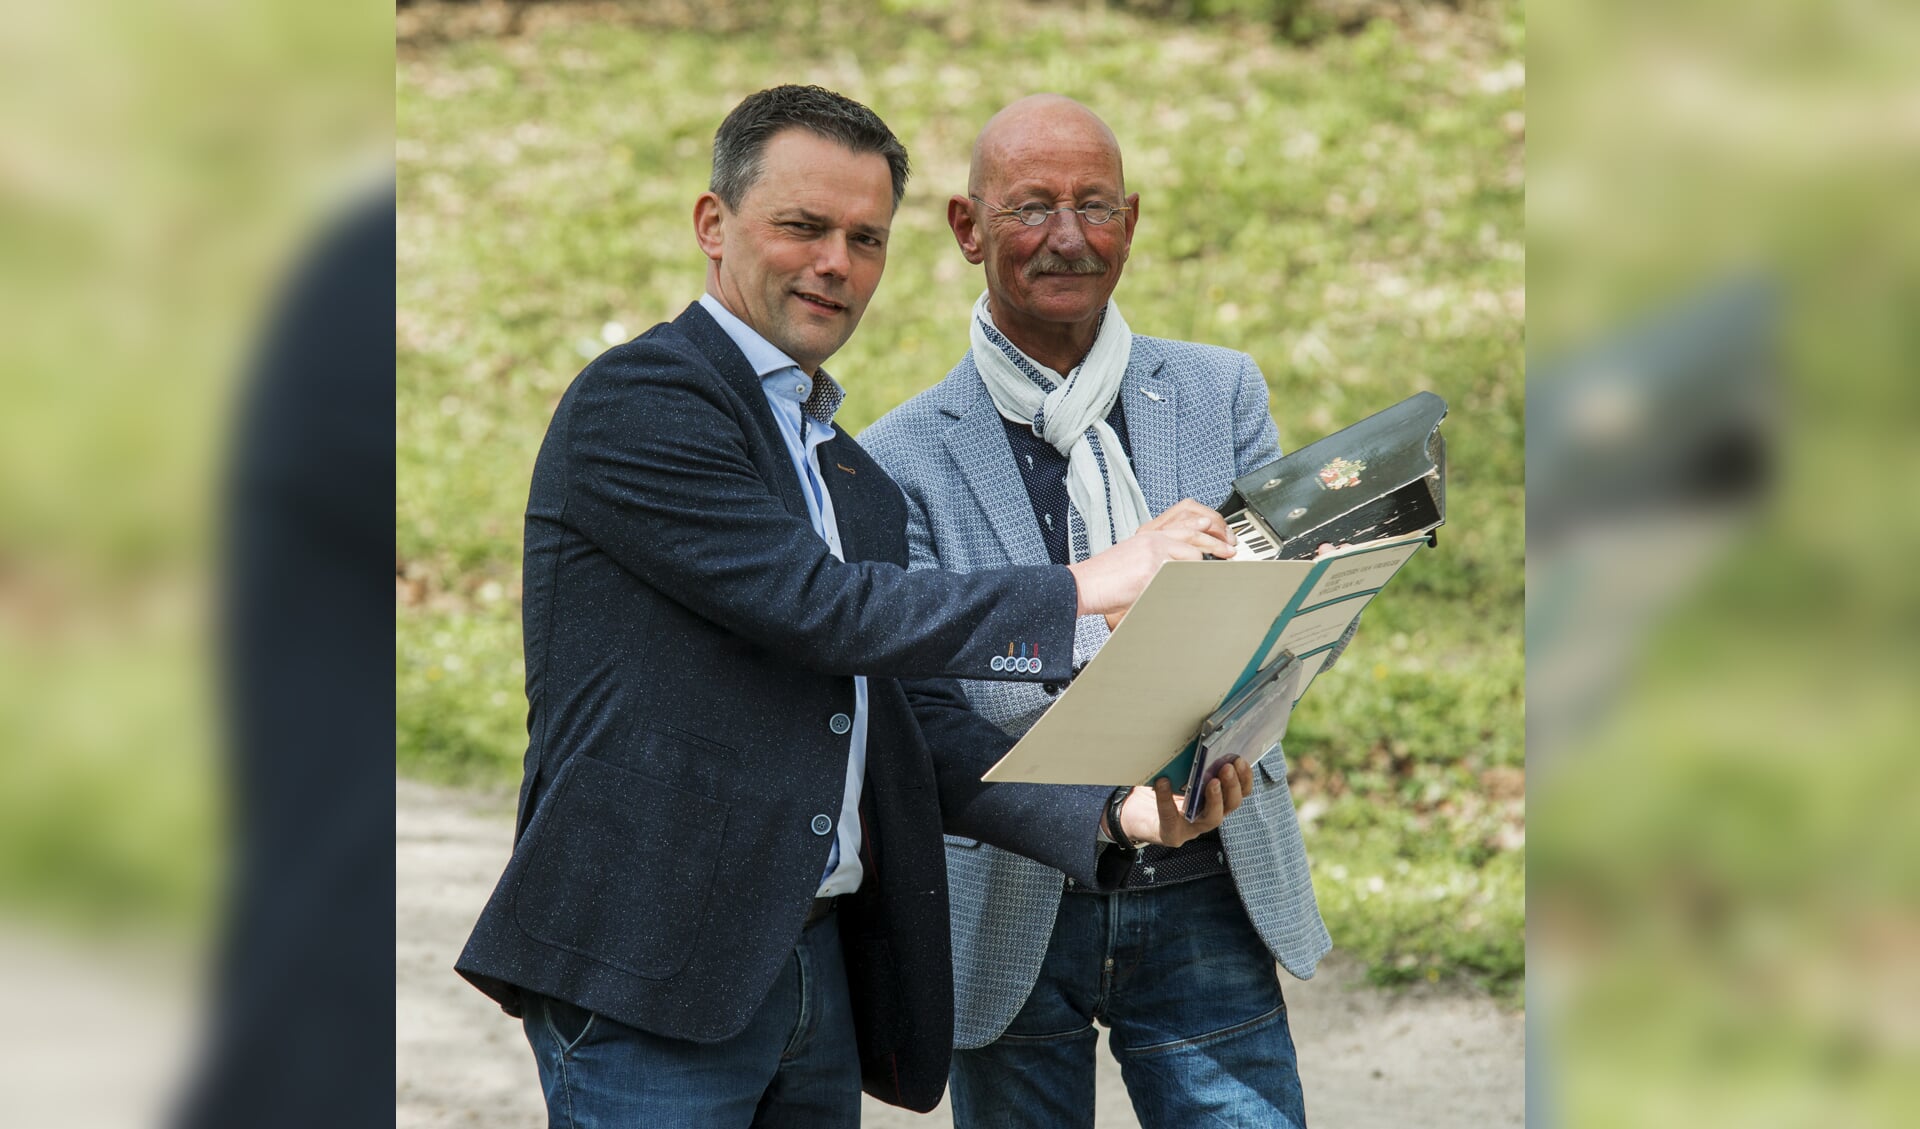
{"x": 1368, "y": 1058}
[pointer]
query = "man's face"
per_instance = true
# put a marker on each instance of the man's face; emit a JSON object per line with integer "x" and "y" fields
{"x": 1063, "y": 271}
{"x": 802, "y": 255}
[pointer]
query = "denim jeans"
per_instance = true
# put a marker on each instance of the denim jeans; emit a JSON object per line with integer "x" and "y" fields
{"x": 1192, "y": 1001}
{"x": 794, "y": 1067}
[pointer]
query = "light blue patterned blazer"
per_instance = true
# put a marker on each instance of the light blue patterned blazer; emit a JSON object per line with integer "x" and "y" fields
{"x": 1197, "y": 419}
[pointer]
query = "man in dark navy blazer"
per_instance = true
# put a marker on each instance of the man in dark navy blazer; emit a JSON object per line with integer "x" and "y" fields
{"x": 727, "y": 900}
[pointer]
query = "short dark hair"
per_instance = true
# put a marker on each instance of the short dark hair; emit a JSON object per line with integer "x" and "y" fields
{"x": 742, "y": 139}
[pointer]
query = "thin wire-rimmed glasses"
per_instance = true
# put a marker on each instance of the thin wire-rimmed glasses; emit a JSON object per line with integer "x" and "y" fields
{"x": 1036, "y": 213}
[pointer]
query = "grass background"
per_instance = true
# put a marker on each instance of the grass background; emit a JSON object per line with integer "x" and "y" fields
{"x": 1348, "y": 210}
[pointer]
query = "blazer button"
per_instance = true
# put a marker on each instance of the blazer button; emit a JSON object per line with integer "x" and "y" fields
{"x": 840, "y": 723}
{"x": 822, "y": 825}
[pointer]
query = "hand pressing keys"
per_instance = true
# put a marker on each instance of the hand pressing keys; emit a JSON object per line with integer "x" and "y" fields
{"x": 1109, "y": 582}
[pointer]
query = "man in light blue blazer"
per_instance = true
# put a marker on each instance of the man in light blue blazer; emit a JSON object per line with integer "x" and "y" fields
{"x": 1057, "y": 434}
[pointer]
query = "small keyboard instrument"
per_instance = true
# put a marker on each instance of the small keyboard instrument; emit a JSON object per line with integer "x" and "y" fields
{"x": 1385, "y": 476}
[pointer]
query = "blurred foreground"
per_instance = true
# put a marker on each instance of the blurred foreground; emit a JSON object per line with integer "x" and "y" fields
{"x": 1724, "y": 895}
{"x": 172, "y": 182}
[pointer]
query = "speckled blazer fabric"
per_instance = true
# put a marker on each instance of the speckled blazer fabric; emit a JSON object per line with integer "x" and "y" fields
{"x": 690, "y": 650}
{"x": 1197, "y": 419}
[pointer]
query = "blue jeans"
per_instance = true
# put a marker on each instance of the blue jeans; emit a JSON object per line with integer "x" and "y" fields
{"x": 1192, "y": 1001}
{"x": 794, "y": 1067}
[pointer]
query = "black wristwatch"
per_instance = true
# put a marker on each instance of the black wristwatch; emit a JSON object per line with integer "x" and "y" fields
{"x": 1114, "y": 830}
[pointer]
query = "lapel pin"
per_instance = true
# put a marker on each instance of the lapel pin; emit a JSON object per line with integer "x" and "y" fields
{"x": 1150, "y": 394}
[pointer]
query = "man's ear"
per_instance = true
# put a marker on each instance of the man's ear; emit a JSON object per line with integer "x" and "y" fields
{"x": 710, "y": 224}
{"x": 965, "y": 231}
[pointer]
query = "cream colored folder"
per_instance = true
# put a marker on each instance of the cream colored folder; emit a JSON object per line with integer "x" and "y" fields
{"x": 1199, "y": 631}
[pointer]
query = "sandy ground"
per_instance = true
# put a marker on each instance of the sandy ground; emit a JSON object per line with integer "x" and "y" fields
{"x": 1368, "y": 1058}
{"x": 102, "y": 1033}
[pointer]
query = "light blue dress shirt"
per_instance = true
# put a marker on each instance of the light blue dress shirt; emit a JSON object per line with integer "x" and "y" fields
{"x": 805, "y": 426}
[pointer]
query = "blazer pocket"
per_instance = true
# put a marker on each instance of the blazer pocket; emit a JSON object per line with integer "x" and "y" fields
{"x": 960, "y": 841}
{"x": 1273, "y": 766}
{"x": 620, "y": 868}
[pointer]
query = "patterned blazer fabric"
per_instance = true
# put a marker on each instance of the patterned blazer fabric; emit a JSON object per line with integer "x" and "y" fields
{"x": 1197, "y": 418}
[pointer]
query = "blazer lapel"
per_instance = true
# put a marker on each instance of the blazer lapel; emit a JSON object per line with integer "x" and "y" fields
{"x": 1153, "y": 431}
{"x": 977, "y": 440}
{"x": 840, "y": 473}
{"x": 764, "y": 431}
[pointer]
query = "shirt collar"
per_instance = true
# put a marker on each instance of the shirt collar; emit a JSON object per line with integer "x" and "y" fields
{"x": 819, "y": 398}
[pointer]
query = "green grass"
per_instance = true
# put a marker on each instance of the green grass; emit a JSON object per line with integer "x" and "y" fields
{"x": 1349, "y": 213}
{"x": 110, "y": 819}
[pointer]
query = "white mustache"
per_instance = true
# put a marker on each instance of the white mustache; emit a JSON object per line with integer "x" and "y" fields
{"x": 1046, "y": 262}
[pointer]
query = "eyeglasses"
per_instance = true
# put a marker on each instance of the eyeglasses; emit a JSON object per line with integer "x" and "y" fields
{"x": 1036, "y": 213}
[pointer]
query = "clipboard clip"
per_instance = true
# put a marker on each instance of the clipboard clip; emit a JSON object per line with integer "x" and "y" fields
{"x": 1243, "y": 699}
{"x": 1251, "y": 721}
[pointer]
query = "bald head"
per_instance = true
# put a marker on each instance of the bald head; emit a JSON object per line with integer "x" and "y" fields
{"x": 1040, "y": 124}
{"x": 1050, "y": 159}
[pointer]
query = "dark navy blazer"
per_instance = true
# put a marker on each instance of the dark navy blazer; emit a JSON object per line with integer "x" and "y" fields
{"x": 690, "y": 644}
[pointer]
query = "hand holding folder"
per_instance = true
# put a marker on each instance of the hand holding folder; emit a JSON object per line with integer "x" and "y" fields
{"x": 1158, "y": 815}
{"x": 1137, "y": 711}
